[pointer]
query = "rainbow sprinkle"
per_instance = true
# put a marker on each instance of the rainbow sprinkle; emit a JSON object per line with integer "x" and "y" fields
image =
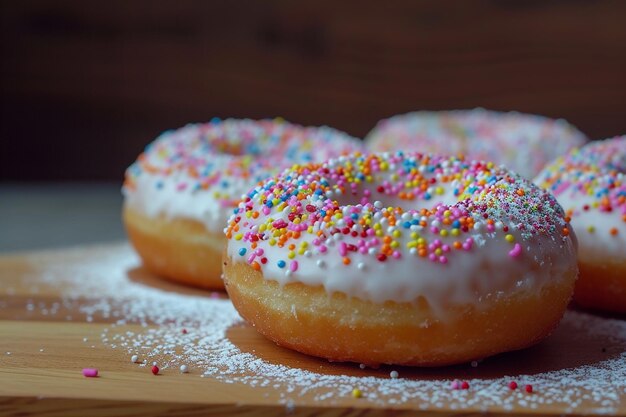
{"x": 524, "y": 143}
{"x": 382, "y": 208}
{"x": 590, "y": 179}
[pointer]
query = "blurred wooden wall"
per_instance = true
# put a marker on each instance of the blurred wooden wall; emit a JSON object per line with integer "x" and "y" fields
{"x": 86, "y": 84}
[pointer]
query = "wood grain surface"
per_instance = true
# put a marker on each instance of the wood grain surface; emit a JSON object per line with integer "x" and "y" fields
{"x": 41, "y": 357}
{"x": 93, "y": 82}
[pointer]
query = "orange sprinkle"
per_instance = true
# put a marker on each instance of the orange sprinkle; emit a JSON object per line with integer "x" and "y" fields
{"x": 520, "y": 192}
{"x": 614, "y": 231}
{"x": 256, "y": 266}
{"x": 346, "y": 261}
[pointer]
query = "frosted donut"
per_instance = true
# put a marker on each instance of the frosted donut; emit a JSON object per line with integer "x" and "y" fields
{"x": 182, "y": 189}
{"x": 590, "y": 184}
{"x": 524, "y": 143}
{"x": 404, "y": 259}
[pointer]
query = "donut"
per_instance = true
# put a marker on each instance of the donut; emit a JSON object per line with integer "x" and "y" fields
{"x": 590, "y": 184}
{"x": 182, "y": 189}
{"x": 524, "y": 143}
{"x": 402, "y": 258}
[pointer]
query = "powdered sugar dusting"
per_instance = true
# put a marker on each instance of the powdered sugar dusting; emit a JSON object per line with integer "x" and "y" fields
{"x": 183, "y": 328}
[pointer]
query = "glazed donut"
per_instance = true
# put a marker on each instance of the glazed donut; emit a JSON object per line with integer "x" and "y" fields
{"x": 591, "y": 186}
{"x": 181, "y": 191}
{"x": 524, "y": 143}
{"x": 400, "y": 258}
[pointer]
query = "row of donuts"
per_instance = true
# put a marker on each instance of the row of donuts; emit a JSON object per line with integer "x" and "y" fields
{"x": 417, "y": 248}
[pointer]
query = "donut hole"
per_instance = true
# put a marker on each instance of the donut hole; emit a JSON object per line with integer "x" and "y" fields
{"x": 373, "y": 193}
{"x": 226, "y": 147}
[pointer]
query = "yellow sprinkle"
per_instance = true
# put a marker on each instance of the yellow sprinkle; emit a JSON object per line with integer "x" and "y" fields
{"x": 356, "y": 393}
{"x": 509, "y": 238}
{"x": 238, "y": 236}
{"x": 455, "y": 232}
{"x": 272, "y": 242}
{"x": 394, "y": 244}
{"x": 438, "y": 251}
{"x": 291, "y": 254}
{"x": 444, "y": 232}
{"x": 591, "y": 229}
{"x": 262, "y": 228}
{"x": 396, "y": 233}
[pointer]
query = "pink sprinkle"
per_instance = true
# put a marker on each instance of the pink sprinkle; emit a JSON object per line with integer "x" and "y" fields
{"x": 396, "y": 254}
{"x": 455, "y": 384}
{"x": 323, "y": 249}
{"x": 516, "y": 251}
{"x": 90, "y": 372}
{"x": 279, "y": 224}
{"x": 181, "y": 186}
{"x": 294, "y": 266}
{"x": 265, "y": 210}
{"x": 343, "y": 249}
{"x": 443, "y": 259}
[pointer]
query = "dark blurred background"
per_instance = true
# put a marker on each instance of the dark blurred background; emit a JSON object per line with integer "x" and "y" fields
{"x": 86, "y": 84}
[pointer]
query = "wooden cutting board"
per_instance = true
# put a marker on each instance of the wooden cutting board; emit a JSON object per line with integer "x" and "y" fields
{"x": 45, "y": 342}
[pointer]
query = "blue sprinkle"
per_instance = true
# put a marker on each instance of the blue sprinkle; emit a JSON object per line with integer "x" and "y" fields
{"x": 456, "y": 224}
{"x": 242, "y": 251}
{"x": 427, "y": 196}
{"x": 407, "y": 225}
{"x": 281, "y": 263}
{"x": 269, "y": 203}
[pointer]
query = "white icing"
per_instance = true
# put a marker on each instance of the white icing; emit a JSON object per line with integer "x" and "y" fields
{"x": 523, "y": 142}
{"x": 177, "y": 194}
{"x": 593, "y": 229}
